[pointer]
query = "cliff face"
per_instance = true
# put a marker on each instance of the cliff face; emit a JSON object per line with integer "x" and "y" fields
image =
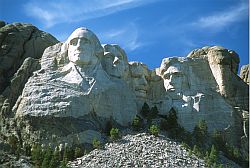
{"x": 21, "y": 47}
{"x": 80, "y": 85}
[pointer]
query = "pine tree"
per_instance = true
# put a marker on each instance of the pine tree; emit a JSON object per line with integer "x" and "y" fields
{"x": 154, "y": 130}
{"x": 200, "y": 132}
{"x": 114, "y": 133}
{"x": 213, "y": 154}
{"x": 96, "y": 143}
{"x": 65, "y": 158}
{"x": 54, "y": 162}
{"x": 47, "y": 158}
{"x": 136, "y": 123}
{"x": 145, "y": 110}
{"x": 153, "y": 112}
{"x": 37, "y": 154}
{"x": 172, "y": 119}
{"x": 64, "y": 163}
{"x": 78, "y": 152}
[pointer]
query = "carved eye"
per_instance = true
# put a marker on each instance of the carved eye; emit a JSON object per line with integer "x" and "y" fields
{"x": 166, "y": 76}
{"x": 73, "y": 42}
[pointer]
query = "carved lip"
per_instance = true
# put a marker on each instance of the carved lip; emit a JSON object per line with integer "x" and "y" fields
{"x": 142, "y": 91}
{"x": 171, "y": 89}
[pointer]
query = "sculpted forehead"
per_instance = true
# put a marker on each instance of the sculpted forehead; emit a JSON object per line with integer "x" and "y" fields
{"x": 174, "y": 69}
{"x": 138, "y": 69}
{"x": 82, "y": 33}
{"x": 116, "y": 50}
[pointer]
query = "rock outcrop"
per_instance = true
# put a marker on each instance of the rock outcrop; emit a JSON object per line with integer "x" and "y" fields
{"x": 18, "y": 42}
{"x": 244, "y": 73}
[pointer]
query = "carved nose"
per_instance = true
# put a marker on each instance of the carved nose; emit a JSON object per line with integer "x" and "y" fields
{"x": 116, "y": 60}
{"x": 143, "y": 81}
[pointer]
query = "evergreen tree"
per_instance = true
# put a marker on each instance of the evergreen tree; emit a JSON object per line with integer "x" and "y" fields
{"x": 145, "y": 110}
{"x": 13, "y": 141}
{"x": 65, "y": 158}
{"x": 47, "y": 158}
{"x": 218, "y": 140}
{"x": 137, "y": 123}
{"x": 55, "y": 159}
{"x": 172, "y": 119}
{"x": 78, "y": 152}
{"x": 96, "y": 143}
{"x": 153, "y": 112}
{"x": 68, "y": 153}
{"x": 64, "y": 163}
{"x": 37, "y": 154}
{"x": 200, "y": 132}
{"x": 197, "y": 151}
{"x": 213, "y": 154}
{"x": 154, "y": 130}
{"x": 114, "y": 133}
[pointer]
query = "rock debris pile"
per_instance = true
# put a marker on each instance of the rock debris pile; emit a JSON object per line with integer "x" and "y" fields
{"x": 141, "y": 150}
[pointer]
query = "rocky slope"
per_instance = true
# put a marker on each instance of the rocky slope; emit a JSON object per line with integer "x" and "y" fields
{"x": 144, "y": 150}
{"x": 139, "y": 150}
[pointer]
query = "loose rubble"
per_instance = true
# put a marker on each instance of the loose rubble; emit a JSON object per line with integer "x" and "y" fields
{"x": 141, "y": 150}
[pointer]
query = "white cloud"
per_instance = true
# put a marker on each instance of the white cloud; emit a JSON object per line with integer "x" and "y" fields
{"x": 127, "y": 37}
{"x": 220, "y": 20}
{"x": 51, "y": 13}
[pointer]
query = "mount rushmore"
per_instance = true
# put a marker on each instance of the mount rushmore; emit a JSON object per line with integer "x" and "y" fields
{"x": 79, "y": 85}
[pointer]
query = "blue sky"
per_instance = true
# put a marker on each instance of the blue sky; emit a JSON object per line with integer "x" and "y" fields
{"x": 148, "y": 30}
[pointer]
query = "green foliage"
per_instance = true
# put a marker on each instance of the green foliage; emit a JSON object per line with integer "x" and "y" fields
{"x": 200, "y": 132}
{"x": 96, "y": 143}
{"x": 145, "y": 110}
{"x": 185, "y": 145}
{"x": 153, "y": 112}
{"x": 27, "y": 150}
{"x": 64, "y": 163}
{"x": 218, "y": 140}
{"x": 78, "y": 152}
{"x": 136, "y": 123}
{"x": 114, "y": 134}
{"x": 37, "y": 155}
{"x": 197, "y": 151}
{"x": 163, "y": 124}
{"x": 154, "y": 130}
{"x": 170, "y": 121}
{"x": 53, "y": 162}
{"x": 47, "y": 158}
{"x": 68, "y": 153}
{"x": 13, "y": 141}
{"x": 212, "y": 157}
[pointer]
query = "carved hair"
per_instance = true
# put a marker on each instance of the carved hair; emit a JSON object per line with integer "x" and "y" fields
{"x": 88, "y": 35}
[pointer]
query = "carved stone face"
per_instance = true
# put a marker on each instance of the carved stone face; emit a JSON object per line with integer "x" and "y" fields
{"x": 82, "y": 47}
{"x": 115, "y": 61}
{"x": 174, "y": 79}
{"x": 140, "y": 75}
